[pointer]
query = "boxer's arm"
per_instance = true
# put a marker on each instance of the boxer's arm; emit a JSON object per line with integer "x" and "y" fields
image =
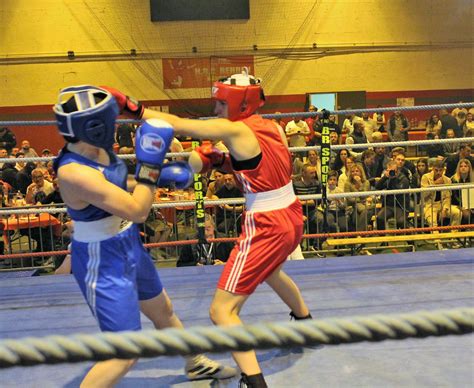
{"x": 78, "y": 182}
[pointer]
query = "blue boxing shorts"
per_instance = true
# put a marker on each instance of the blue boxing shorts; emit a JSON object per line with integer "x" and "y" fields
{"x": 114, "y": 275}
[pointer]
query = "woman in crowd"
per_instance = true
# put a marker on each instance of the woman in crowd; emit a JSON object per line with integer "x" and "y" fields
{"x": 433, "y": 125}
{"x": 345, "y": 172}
{"x": 340, "y": 161}
{"x": 362, "y": 207}
{"x": 421, "y": 169}
{"x": 462, "y": 198}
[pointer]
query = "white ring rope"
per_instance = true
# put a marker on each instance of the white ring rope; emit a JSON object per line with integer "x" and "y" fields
{"x": 185, "y": 205}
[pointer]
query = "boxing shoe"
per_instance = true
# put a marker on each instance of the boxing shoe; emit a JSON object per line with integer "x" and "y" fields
{"x": 200, "y": 367}
{"x": 253, "y": 381}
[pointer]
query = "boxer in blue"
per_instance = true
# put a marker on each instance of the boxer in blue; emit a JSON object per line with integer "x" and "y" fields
{"x": 114, "y": 272}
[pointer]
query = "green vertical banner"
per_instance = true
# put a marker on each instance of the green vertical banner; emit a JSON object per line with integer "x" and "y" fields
{"x": 200, "y": 209}
{"x": 325, "y": 158}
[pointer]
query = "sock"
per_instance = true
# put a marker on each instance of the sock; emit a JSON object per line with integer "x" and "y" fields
{"x": 293, "y": 316}
{"x": 254, "y": 381}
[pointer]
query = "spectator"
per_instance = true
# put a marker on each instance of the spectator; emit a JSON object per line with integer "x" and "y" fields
{"x": 19, "y": 165}
{"x": 216, "y": 184}
{"x": 227, "y": 215}
{"x": 437, "y": 204}
{"x": 39, "y": 189}
{"x": 340, "y": 161}
{"x": 381, "y": 160}
{"x": 397, "y": 205}
{"x": 318, "y": 127}
{"x": 3, "y": 155}
{"x": 28, "y": 151}
{"x": 464, "y": 174}
{"x": 456, "y": 111}
{"x": 345, "y": 172}
{"x": 468, "y": 124}
{"x": 368, "y": 163}
{"x": 7, "y": 139}
{"x": 54, "y": 196}
{"x": 407, "y": 164}
{"x": 296, "y": 130}
{"x": 402, "y": 168}
{"x": 421, "y": 169}
{"x": 433, "y": 125}
{"x": 311, "y": 121}
{"x": 279, "y": 121}
{"x": 362, "y": 207}
{"x": 358, "y": 134}
{"x": 125, "y": 135}
{"x": 312, "y": 159}
{"x": 130, "y": 163}
{"x": 398, "y": 127}
{"x": 453, "y": 160}
{"x": 379, "y": 118}
{"x": 337, "y": 220}
{"x": 450, "y": 148}
{"x": 214, "y": 253}
{"x": 347, "y": 127}
{"x": 297, "y": 166}
{"x": 433, "y": 151}
{"x": 370, "y": 126}
{"x": 448, "y": 122}
{"x": 23, "y": 177}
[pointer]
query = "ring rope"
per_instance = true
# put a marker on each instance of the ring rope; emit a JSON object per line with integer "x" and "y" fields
{"x": 152, "y": 343}
{"x": 361, "y": 233}
{"x": 239, "y": 201}
{"x": 406, "y": 143}
{"x": 278, "y": 115}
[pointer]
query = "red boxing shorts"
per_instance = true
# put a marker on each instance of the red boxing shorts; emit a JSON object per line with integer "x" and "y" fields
{"x": 266, "y": 241}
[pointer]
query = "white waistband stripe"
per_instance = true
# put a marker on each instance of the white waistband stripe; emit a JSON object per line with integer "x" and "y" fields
{"x": 270, "y": 200}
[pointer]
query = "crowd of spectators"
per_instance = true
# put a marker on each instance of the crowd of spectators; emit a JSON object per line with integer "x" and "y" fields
{"x": 351, "y": 171}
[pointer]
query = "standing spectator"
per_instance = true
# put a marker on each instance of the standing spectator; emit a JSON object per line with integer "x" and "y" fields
{"x": 437, "y": 204}
{"x": 311, "y": 121}
{"x": 7, "y": 139}
{"x": 215, "y": 253}
{"x": 347, "y": 127}
{"x": 125, "y": 135}
{"x": 397, "y": 205}
{"x": 448, "y": 122}
{"x": 379, "y": 118}
{"x": 398, "y": 127}
{"x": 296, "y": 130}
{"x": 28, "y": 151}
{"x": 318, "y": 127}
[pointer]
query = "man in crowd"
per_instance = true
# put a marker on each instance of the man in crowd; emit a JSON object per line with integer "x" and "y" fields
{"x": 210, "y": 253}
{"x": 297, "y": 130}
{"x": 448, "y": 122}
{"x": 7, "y": 139}
{"x": 39, "y": 189}
{"x": 397, "y": 205}
{"x": 28, "y": 151}
{"x": 227, "y": 215}
{"x": 398, "y": 127}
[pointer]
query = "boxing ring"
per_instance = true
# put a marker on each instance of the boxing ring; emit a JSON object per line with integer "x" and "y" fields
{"x": 47, "y": 305}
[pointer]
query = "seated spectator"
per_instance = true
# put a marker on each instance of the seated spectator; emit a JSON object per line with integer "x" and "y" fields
{"x": 297, "y": 164}
{"x": 130, "y": 163}
{"x": 216, "y": 184}
{"x": 381, "y": 160}
{"x": 19, "y": 165}
{"x": 337, "y": 220}
{"x": 433, "y": 151}
{"x": 7, "y": 139}
{"x": 39, "y": 188}
{"x": 54, "y": 196}
{"x": 456, "y": 111}
{"x": 407, "y": 164}
{"x": 28, "y": 151}
{"x": 358, "y": 134}
{"x": 468, "y": 125}
{"x": 340, "y": 161}
{"x": 437, "y": 204}
{"x": 3, "y": 155}
{"x": 228, "y": 216}
{"x": 397, "y": 205}
{"x": 211, "y": 253}
{"x": 379, "y": 118}
{"x": 345, "y": 172}
{"x": 156, "y": 230}
{"x": 463, "y": 174}
{"x": 450, "y": 148}
{"x": 402, "y": 166}
{"x": 318, "y": 127}
{"x": 421, "y": 169}
{"x": 433, "y": 125}
{"x": 347, "y": 126}
{"x": 363, "y": 208}
{"x": 448, "y": 122}
{"x": 23, "y": 177}
{"x": 369, "y": 126}
{"x": 453, "y": 160}
{"x": 368, "y": 163}
{"x": 312, "y": 159}
{"x": 296, "y": 131}
{"x": 398, "y": 127}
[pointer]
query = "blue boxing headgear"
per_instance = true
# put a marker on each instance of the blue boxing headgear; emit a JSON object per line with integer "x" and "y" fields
{"x": 87, "y": 113}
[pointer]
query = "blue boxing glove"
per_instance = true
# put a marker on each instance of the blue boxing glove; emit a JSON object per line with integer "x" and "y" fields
{"x": 152, "y": 142}
{"x": 177, "y": 173}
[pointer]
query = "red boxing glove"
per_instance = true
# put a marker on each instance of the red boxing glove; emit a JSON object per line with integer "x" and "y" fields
{"x": 127, "y": 105}
{"x": 211, "y": 157}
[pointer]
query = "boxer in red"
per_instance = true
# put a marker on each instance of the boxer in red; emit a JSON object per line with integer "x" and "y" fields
{"x": 272, "y": 224}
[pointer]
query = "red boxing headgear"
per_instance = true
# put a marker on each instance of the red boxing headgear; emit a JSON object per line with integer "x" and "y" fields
{"x": 242, "y": 93}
